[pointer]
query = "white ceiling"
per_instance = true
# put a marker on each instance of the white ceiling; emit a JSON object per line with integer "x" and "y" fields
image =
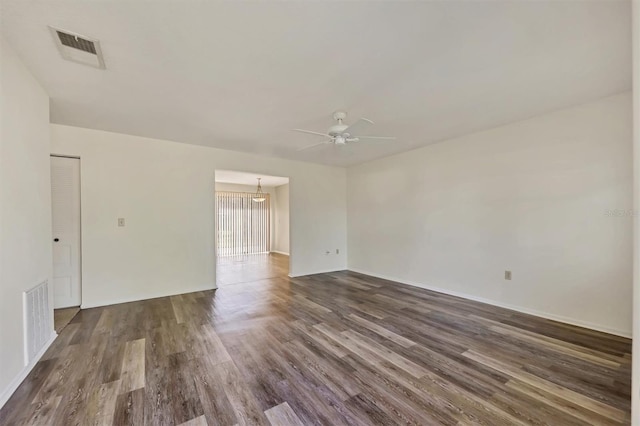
{"x": 239, "y": 74}
{"x": 242, "y": 178}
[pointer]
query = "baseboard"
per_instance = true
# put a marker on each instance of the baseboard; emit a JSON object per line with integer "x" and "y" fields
{"x": 317, "y": 272}
{"x": 17, "y": 381}
{"x": 280, "y": 252}
{"x": 141, "y": 298}
{"x": 541, "y": 314}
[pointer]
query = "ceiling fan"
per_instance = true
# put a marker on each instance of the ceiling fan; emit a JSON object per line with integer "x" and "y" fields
{"x": 342, "y": 134}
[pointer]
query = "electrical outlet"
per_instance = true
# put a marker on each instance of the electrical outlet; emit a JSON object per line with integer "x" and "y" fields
{"x": 507, "y": 275}
{"x": 337, "y": 251}
{"x": 120, "y": 221}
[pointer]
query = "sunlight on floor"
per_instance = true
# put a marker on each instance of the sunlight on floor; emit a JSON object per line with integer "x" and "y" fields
{"x": 240, "y": 269}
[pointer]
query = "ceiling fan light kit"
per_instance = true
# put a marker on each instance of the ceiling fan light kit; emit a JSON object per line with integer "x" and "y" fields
{"x": 341, "y": 134}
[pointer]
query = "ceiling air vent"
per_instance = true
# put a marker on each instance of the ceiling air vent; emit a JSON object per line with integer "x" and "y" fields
{"x": 78, "y": 48}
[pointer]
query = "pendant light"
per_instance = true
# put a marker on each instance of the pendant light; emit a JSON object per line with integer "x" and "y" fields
{"x": 259, "y": 195}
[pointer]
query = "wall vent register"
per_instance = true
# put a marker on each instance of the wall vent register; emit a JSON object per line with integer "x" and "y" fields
{"x": 37, "y": 320}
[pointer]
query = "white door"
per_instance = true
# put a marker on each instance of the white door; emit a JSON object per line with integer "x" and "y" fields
{"x": 65, "y": 207}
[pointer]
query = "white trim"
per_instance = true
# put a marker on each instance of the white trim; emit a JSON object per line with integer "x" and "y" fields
{"x": 17, "y": 381}
{"x": 541, "y": 314}
{"x": 318, "y": 272}
{"x": 280, "y": 252}
{"x": 146, "y": 297}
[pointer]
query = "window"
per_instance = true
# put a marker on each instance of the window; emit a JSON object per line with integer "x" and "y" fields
{"x": 243, "y": 225}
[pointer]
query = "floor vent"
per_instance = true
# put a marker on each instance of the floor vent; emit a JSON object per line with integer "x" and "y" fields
{"x": 78, "y": 48}
{"x": 37, "y": 320}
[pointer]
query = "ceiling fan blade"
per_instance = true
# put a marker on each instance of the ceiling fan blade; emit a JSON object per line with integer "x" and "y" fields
{"x": 314, "y": 145}
{"x": 310, "y": 132}
{"x": 377, "y": 137}
{"x": 358, "y": 126}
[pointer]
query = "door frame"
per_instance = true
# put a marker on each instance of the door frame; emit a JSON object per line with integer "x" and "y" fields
{"x": 215, "y": 216}
{"x": 80, "y": 216}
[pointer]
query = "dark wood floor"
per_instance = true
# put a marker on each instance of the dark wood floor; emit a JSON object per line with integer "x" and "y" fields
{"x": 62, "y": 317}
{"x": 329, "y": 349}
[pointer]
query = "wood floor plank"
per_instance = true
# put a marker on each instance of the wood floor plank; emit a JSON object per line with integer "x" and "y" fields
{"x": 311, "y": 304}
{"x": 339, "y": 348}
{"x": 185, "y": 401}
{"x": 323, "y": 370}
{"x": 366, "y": 407}
{"x": 319, "y": 339}
{"x": 11, "y": 412}
{"x": 217, "y": 408}
{"x": 179, "y": 309}
{"x": 558, "y": 347}
{"x": 133, "y": 362}
{"x": 129, "y": 409}
{"x": 399, "y": 402}
{"x": 351, "y": 346}
{"x": 548, "y": 399}
{"x": 369, "y": 310}
{"x": 385, "y": 353}
{"x": 40, "y": 413}
{"x": 105, "y": 322}
{"x": 402, "y": 341}
{"x": 62, "y": 317}
{"x": 283, "y": 415}
{"x": 198, "y": 421}
{"x": 101, "y": 406}
{"x": 244, "y": 403}
{"x": 564, "y": 393}
{"x": 157, "y": 397}
{"x": 213, "y": 346}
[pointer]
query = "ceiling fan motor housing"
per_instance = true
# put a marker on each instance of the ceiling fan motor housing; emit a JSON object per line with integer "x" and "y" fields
{"x": 339, "y": 115}
{"x": 340, "y": 140}
{"x": 337, "y": 129}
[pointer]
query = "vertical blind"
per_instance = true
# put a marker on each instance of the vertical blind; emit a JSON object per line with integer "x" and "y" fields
{"x": 243, "y": 224}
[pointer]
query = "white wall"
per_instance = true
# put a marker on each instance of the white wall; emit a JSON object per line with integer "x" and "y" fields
{"x": 530, "y": 197}
{"x": 25, "y": 207}
{"x": 234, "y": 187}
{"x": 635, "y": 370}
{"x": 282, "y": 219}
{"x": 164, "y": 190}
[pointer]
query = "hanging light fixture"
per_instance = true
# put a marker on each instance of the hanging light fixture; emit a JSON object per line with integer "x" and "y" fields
{"x": 259, "y": 195}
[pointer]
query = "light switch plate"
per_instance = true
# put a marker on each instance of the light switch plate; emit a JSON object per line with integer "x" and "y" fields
{"x": 120, "y": 221}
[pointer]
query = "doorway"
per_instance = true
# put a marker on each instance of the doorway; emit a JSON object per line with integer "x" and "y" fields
{"x": 252, "y": 227}
{"x": 65, "y": 217}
